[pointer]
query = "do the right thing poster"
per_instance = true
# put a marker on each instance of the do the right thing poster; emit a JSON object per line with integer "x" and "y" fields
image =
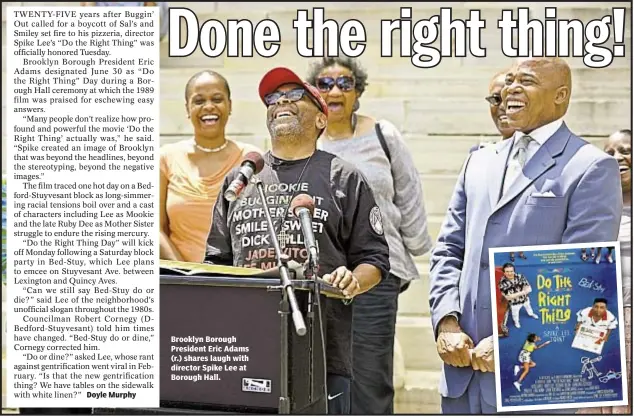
{"x": 559, "y": 339}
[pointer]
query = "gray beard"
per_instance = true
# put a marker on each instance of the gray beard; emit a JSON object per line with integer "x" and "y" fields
{"x": 286, "y": 133}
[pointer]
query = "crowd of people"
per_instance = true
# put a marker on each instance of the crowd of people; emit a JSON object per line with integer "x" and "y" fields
{"x": 361, "y": 170}
{"x": 376, "y": 223}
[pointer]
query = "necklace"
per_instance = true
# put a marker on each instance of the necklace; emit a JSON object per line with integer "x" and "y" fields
{"x": 354, "y": 128}
{"x": 280, "y": 229}
{"x": 218, "y": 149}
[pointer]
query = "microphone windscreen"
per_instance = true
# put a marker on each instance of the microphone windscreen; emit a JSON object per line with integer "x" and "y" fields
{"x": 302, "y": 201}
{"x": 256, "y": 159}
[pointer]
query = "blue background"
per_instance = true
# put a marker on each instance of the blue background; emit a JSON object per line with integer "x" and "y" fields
{"x": 559, "y": 358}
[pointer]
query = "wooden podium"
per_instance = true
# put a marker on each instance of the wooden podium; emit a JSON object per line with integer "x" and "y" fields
{"x": 221, "y": 343}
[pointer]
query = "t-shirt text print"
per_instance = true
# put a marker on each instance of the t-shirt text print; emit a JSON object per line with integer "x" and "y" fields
{"x": 249, "y": 220}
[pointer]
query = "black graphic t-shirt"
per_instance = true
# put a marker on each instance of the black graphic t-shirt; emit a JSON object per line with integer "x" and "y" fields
{"x": 346, "y": 222}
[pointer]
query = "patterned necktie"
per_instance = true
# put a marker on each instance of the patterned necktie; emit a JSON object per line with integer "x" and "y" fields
{"x": 518, "y": 161}
{"x": 522, "y": 149}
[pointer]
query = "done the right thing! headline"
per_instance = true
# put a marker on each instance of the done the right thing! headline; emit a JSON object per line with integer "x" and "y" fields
{"x": 551, "y": 37}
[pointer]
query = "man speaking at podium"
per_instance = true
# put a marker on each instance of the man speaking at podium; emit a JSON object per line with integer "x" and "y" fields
{"x": 354, "y": 255}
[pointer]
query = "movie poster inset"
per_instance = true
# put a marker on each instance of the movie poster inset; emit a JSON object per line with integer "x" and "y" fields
{"x": 558, "y": 327}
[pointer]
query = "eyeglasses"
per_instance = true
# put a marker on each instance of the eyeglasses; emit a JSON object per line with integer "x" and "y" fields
{"x": 495, "y": 99}
{"x": 344, "y": 82}
{"x": 292, "y": 95}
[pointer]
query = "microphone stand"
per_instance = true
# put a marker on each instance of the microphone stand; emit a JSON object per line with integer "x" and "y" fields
{"x": 288, "y": 298}
{"x": 311, "y": 269}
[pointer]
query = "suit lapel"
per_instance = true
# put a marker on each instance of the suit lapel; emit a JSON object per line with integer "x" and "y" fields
{"x": 496, "y": 169}
{"x": 542, "y": 161}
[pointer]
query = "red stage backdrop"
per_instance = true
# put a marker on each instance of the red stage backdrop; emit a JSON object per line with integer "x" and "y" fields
{"x": 501, "y": 302}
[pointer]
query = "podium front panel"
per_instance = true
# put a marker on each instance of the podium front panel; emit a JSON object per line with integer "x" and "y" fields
{"x": 234, "y": 315}
{"x": 225, "y": 338}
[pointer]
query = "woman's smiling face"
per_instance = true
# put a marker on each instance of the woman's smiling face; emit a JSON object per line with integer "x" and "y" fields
{"x": 208, "y": 105}
{"x": 619, "y": 146}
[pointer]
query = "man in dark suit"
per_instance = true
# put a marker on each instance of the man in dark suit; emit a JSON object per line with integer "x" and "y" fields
{"x": 544, "y": 185}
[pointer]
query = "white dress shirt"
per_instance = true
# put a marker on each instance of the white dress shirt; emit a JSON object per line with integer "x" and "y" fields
{"x": 608, "y": 322}
{"x": 540, "y": 136}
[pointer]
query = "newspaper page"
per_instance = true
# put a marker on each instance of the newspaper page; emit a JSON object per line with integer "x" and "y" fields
{"x": 127, "y": 126}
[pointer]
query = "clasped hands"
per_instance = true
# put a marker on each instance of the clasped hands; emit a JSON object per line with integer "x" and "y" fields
{"x": 457, "y": 349}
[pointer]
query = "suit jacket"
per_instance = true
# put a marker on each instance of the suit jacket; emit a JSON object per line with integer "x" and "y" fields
{"x": 586, "y": 207}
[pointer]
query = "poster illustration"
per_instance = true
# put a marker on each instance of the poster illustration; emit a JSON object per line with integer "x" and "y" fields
{"x": 558, "y": 326}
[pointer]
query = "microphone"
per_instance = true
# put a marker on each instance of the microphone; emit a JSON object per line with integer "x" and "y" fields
{"x": 303, "y": 206}
{"x": 252, "y": 164}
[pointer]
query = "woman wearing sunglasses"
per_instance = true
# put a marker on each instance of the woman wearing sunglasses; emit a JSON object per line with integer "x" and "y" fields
{"x": 379, "y": 151}
{"x": 193, "y": 170}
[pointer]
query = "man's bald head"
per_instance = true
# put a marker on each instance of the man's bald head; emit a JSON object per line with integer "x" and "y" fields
{"x": 557, "y": 69}
{"x": 537, "y": 92}
{"x": 497, "y": 80}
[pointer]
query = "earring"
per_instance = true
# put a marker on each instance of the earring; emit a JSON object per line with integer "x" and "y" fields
{"x": 356, "y": 105}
